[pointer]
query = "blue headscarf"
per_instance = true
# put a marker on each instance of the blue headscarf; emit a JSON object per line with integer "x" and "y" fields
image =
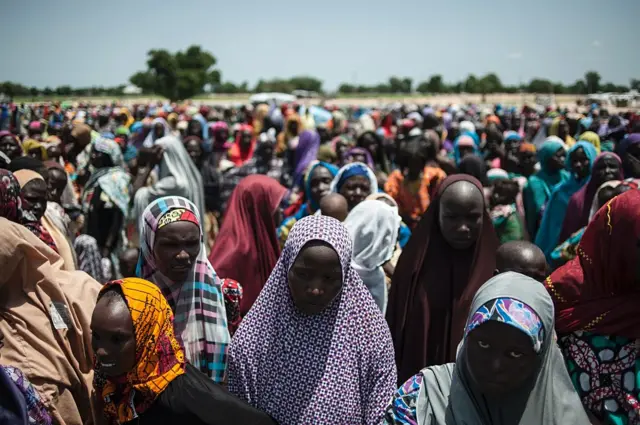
{"x": 333, "y": 170}
{"x": 556, "y": 208}
{"x": 456, "y": 148}
{"x": 351, "y": 170}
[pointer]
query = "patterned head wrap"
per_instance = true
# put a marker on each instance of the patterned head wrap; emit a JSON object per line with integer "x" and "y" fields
{"x": 159, "y": 355}
{"x": 200, "y": 316}
{"x": 111, "y": 148}
{"x": 345, "y": 349}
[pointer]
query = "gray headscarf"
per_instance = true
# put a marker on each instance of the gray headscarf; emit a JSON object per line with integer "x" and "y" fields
{"x": 177, "y": 176}
{"x": 448, "y": 395}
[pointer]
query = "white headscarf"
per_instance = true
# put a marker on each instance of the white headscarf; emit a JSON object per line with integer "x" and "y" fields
{"x": 373, "y": 227}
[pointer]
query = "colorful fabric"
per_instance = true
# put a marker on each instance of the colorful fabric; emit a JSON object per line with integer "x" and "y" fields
{"x": 159, "y": 356}
{"x": 31, "y": 144}
{"x": 89, "y": 257}
{"x": 514, "y": 313}
{"x": 232, "y": 291}
{"x": 413, "y": 202}
{"x": 111, "y": 148}
{"x": 36, "y": 410}
{"x": 305, "y": 154}
{"x": 507, "y": 223}
{"x": 237, "y": 154}
{"x": 597, "y": 291}
{"x": 591, "y": 137}
{"x": 345, "y": 349}
{"x": 605, "y": 371}
{"x": 464, "y": 140}
{"x": 357, "y": 151}
{"x": 200, "y": 316}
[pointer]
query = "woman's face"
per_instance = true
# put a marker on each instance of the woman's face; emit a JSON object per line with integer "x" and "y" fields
{"x": 580, "y": 164}
{"x": 320, "y": 182}
{"x": 460, "y": 214}
{"x": 315, "y": 278}
{"x": 355, "y": 190}
{"x": 527, "y": 163}
{"x": 370, "y": 144}
{"x": 194, "y": 150}
{"x": 34, "y": 194}
{"x": 56, "y": 183}
{"x": 358, "y": 157}
{"x": 245, "y": 141}
{"x": 99, "y": 159}
{"x": 176, "y": 249}
{"x": 341, "y": 149}
{"x": 10, "y": 147}
{"x": 112, "y": 336}
{"x": 499, "y": 357}
{"x": 556, "y": 162}
{"x": 563, "y": 130}
{"x": 158, "y": 131}
{"x": 605, "y": 170}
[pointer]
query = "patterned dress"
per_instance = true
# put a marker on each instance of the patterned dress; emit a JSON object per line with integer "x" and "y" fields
{"x": 605, "y": 373}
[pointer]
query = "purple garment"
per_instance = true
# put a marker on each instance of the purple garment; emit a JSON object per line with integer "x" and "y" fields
{"x": 359, "y": 151}
{"x": 305, "y": 154}
{"x": 336, "y": 367}
{"x": 577, "y": 215}
{"x": 623, "y": 146}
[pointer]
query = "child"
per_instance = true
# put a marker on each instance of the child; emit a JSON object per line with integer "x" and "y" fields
{"x": 506, "y": 220}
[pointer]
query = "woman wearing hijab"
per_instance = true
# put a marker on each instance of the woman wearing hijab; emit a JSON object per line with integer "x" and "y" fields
{"x": 174, "y": 257}
{"x": 34, "y": 195}
{"x": 591, "y": 137}
{"x": 288, "y": 138}
{"x": 142, "y": 373}
{"x": 451, "y": 253}
{"x": 606, "y": 167}
{"x": 35, "y": 149}
{"x": 560, "y": 128}
{"x": 552, "y": 157}
{"x": 355, "y": 181}
{"x": 507, "y": 370}
{"x": 373, "y": 227}
{"x": 159, "y": 129}
{"x": 105, "y": 199}
{"x": 358, "y": 155}
{"x": 315, "y": 325}
{"x": 245, "y": 143}
{"x": 579, "y": 162}
{"x": 10, "y": 145}
{"x": 316, "y": 184}
{"x": 21, "y": 404}
{"x": 596, "y": 300}
{"x": 45, "y": 315}
{"x": 305, "y": 154}
{"x": 464, "y": 145}
{"x": 177, "y": 176}
{"x": 247, "y": 248}
{"x": 629, "y": 152}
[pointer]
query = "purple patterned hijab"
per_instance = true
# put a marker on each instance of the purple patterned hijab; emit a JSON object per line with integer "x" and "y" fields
{"x": 305, "y": 154}
{"x": 336, "y": 367}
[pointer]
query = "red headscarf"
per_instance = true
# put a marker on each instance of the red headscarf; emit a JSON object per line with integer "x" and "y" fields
{"x": 432, "y": 289}
{"x": 236, "y": 154}
{"x": 247, "y": 248}
{"x": 598, "y": 290}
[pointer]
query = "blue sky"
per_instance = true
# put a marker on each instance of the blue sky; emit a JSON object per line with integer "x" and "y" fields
{"x": 83, "y": 43}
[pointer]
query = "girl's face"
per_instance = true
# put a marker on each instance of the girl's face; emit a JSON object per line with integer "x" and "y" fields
{"x": 355, "y": 190}
{"x": 580, "y": 164}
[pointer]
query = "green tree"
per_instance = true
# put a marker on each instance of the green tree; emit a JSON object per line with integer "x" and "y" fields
{"x": 177, "y": 76}
{"x": 635, "y": 84}
{"x": 471, "y": 85}
{"x": 347, "y": 89}
{"x": 538, "y": 85}
{"x": 579, "y": 87}
{"x": 48, "y": 91}
{"x": 435, "y": 84}
{"x": 592, "y": 79}
{"x": 33, "y": 91}
{"x": 407, "y": 84}
{"x": 306, "y": 83}
{"x": 490, "y": 83}
{"x": 64, "y": 91}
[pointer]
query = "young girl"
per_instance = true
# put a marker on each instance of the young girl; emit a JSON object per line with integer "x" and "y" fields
{"x": 505, "y": 217}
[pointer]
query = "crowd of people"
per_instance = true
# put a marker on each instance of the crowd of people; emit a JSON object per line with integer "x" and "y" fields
{"x": 293, "y": 264}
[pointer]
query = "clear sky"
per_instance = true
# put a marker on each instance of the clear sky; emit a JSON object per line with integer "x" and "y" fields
{"x": 88, "y": 42}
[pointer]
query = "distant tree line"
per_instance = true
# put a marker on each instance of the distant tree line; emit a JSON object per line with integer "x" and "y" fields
{"x": 188, "y": 73}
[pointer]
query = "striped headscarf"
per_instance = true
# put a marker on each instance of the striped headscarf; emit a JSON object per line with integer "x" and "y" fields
{"x": 159, "y": 355}
{"x": 200, "y": 315}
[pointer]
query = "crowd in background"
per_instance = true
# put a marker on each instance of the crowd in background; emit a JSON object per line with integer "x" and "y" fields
{"x": 297, "y": 264}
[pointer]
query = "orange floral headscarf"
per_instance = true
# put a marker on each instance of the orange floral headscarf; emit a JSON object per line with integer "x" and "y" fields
{"x": 159, "y": 356}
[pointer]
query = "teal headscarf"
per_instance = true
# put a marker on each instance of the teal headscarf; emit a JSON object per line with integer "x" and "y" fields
{"x": 556, "y": 208}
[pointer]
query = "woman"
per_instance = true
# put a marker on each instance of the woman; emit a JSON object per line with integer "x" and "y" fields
{"x": 629, "y": 151}
{"x": 412, "y": 185}
{"x": 596, "y": 299}
{"x": 560, "y": 128}
{"x": 159, "y": 129}
{"x": 21, "y": 404}
{"x": 34, "y": 195}
{"x": 551, "y": 156}
{"x": 245, "y": 143}
{"x": 35, "y": 149}
{"x": 451, "y": 253}
{"x": 142, "y": 375}
{"x": 288, "y": 138}
{"x": 316, "y": 184}
{"x": 177, "y": 176}
{"x": 373, "y": 227}
{"x": 10, "y": 145}
{"x": 45, "y": 315}
{"x": 579, "y": 161}
{"x": 355, "y": 181}
{"x": 606, "y": 167}
{"x": 475, "y": 166}
{"x": 314, "y": 324}
{"x": 591, "y": 137}
{"x": 464, "y": 145}
{"x": 105, "y": 200}
{"x": 358, "y": 155}
{"x": 247, "y": 248}
{"x": 174, "y": 257}
{"x": 508, "y": 368}
{"x": 305, "y": 154}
